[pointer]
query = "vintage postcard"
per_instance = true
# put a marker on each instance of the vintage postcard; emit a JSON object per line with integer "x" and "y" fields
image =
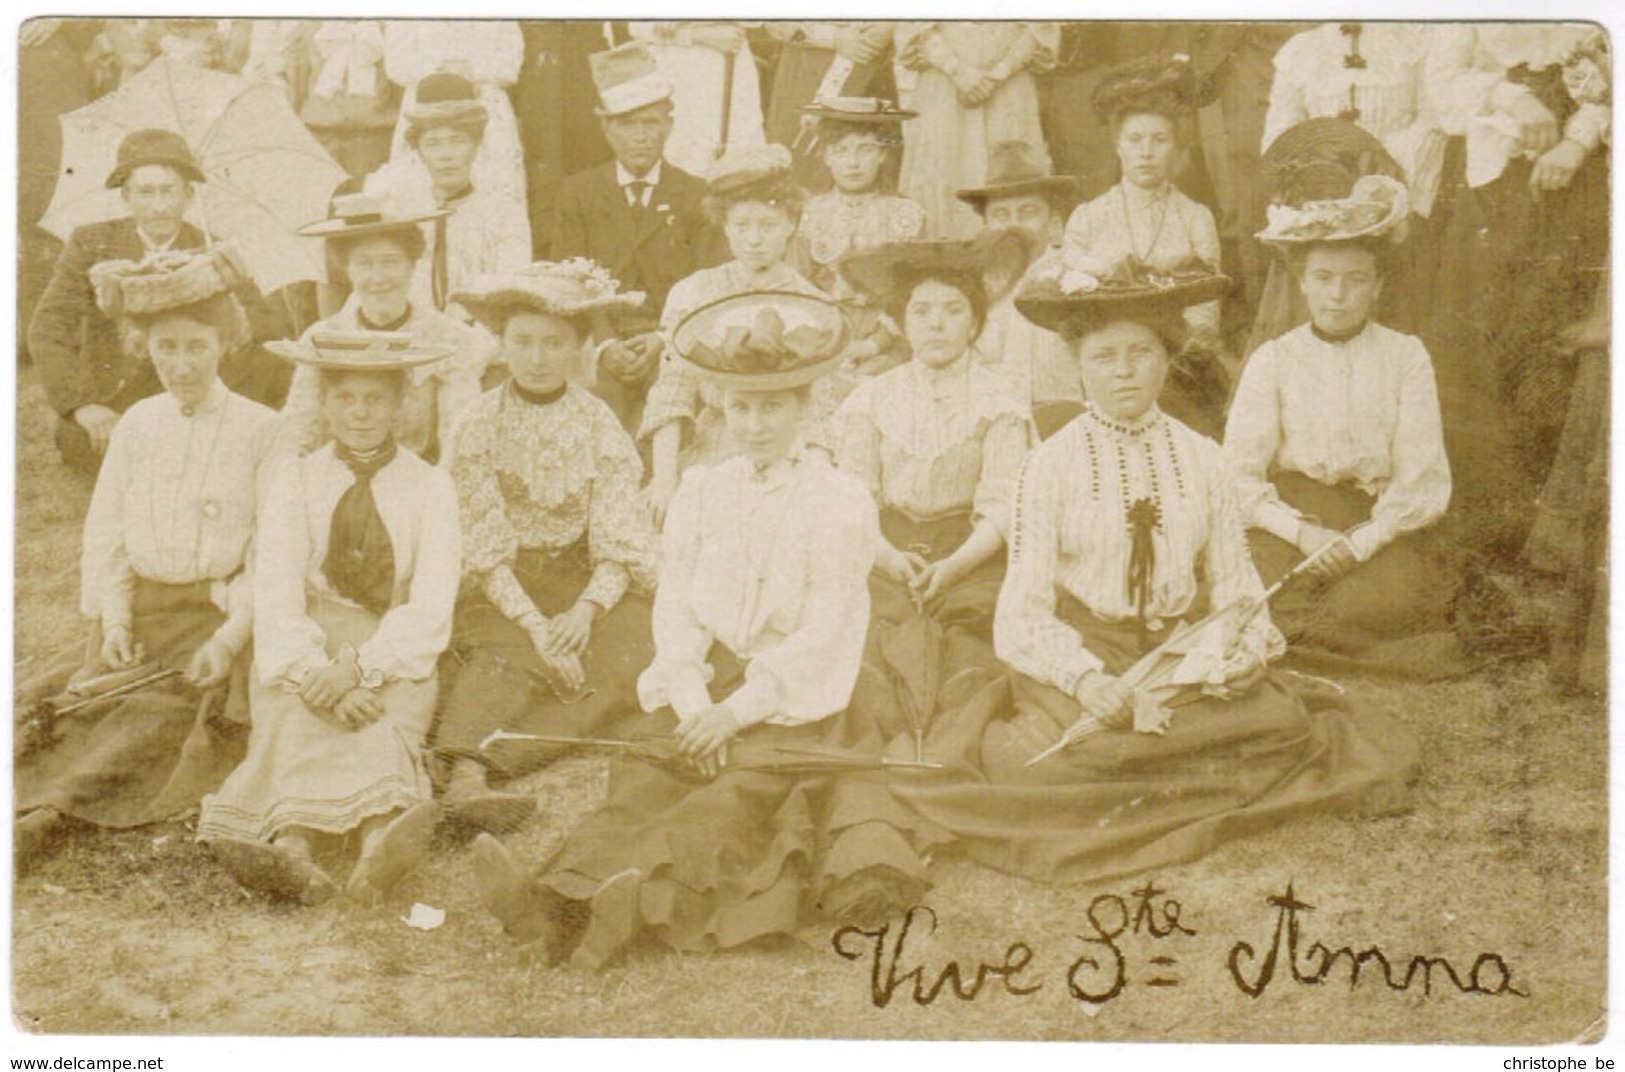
{"x": 760, "y": 529}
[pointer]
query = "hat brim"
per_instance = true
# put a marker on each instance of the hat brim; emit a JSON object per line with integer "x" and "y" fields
{"x": 186, "y": 168}
{"x": 1070, "y": 314}
{"x": 490, "y": 306}
{"x": 340, "y": 228}
{"x": 879, "y": 272}
{"x": 780, "y": 380}
{"x": 343, "y": 360}
{"x": 1055, "y": 187}
{"x": 839, "y": 115}
{"x": 629, "y": 97}
{"x": 686, "y": 339}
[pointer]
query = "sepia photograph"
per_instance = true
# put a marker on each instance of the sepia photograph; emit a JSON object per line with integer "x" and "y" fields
{"x": 1015, "y": 530}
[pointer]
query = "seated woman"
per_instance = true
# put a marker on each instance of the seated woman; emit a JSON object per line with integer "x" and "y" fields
{"x": 1150, "y": 105}
{"x": 376, "y": 252}
{"x": 1125, "y": 527}
{"x": 939, "y": 442}
{"x": 162, "y": 580}
{"x": 551, "y": 640}
{"x": 1335, "y": 442}
{"x": 355, "y": 575}
{"x": 752, "y": 199}
{"x": 759, "y": 623}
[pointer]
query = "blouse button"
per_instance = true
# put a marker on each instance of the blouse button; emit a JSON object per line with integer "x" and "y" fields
{"x": 211, "y": 509}
{"x": 188, "y": 411}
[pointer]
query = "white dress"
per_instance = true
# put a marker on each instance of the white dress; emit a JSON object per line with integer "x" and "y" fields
{"x": 696, "y": 75}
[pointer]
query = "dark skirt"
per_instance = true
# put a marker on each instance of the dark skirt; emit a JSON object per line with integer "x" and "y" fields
{"x": 151, "y": 755}
{"x": 498, "y": 680}
{"x": 748, "y": 855}
{"x": 1120, "y": 802}
{"x": 1389, "y": 615}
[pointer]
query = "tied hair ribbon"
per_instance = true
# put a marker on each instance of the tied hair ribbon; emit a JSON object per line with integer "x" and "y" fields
{"x": 360, "y": 562}
{"x": 1143, "y": 517}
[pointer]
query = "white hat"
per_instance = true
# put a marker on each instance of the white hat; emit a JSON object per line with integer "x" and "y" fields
{"x": 627, "y": 78}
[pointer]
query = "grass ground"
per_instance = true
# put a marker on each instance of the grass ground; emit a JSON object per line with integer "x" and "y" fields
{"x": 1506, "y": 853}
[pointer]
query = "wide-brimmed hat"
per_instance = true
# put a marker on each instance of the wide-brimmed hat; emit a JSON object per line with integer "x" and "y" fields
{"x": 1160, "y": 85}
{"x": 357, "y": 351}
{"x": 1016, "y": 168}
{"x": 1377, "y": 208}
{"x": 575, "y": 287}
{"x": 154, "y": 145}
{"x": 876, "y": 110}
{"x": 166, "y": 280}
{"x": 1320, "y": 159}
{"x": 881, "y": 272}
{"x": 764, "y": 340}
{"x": 627, "y": 78}
{"x": 359, "y": 215}
{"x": 445, "y": 100}
{"x": 1069, "y": 294}
{"x": 739, "y": 169}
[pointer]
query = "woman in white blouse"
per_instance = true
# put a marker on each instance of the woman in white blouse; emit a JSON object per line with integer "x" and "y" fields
{"x": 1126, "y": 525}
{"x": 162, "y": 579}
{"x": 1335, "y": 440}
{"x": 939, "y": 441}
{"x": 759, "y": 626}
{"x": 357, "y": 564}
{"x": 1146, "y": 220}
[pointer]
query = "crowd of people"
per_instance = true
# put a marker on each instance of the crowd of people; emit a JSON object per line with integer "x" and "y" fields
{"x": 880, "y": 453}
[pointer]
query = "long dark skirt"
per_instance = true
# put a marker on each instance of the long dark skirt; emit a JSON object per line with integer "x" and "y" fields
{"x": 499, "y": 680}
{"x": 1120, "y": 802}
{"x": 903, "y": 687}
{"x": 149, "y": 756}
{"x": 1390, "y": 615}
{"x": 750, "y": 854}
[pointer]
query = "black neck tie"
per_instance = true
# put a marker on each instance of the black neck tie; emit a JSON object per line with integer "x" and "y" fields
{"x": 636, "y": 189}
{"x": 360, "y": 562}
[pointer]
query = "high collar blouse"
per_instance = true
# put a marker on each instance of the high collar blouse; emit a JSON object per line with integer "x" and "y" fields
{"x": 439, "y": 391}
{"x": 774, "y": 566}
{"x": 931, "y": 442}
{"x": 540, "y": 476}
{"x": 1364, "y": 411}
{"x": 418, "y": 505}
{"x": 1070, "y": 533}
{"x": 174, "y": 502}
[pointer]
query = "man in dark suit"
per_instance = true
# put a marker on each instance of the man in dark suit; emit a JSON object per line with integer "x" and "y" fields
{"x": 636, "y": 215}
{"x": 88, "y": 374}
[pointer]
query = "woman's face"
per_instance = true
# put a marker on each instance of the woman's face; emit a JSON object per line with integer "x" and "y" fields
{"x": 1122, "y": 366}
{"x": 361, "y": 407}
{"x": 448, "y": 154}
{"x": 186, "y": 355}
{"x": 1145, "y": 147}
{"x": 854, "y": 162}
{"x": 1341, "y": 286}
{"x": 763, "y": 423}
{"x": 939, "y": 322}
{"x": 758, "y": 234}
{"x": 380, "y": 271}
{"x": 540, "y": 350}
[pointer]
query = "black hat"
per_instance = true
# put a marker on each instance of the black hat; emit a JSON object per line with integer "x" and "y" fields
{"x": 154, "y": 145}
{"x": 882, "y": 271}
{"x": 1015, "y": 168}
{"x": 1167, "y": 86}
{"x": 1069, "y": 299}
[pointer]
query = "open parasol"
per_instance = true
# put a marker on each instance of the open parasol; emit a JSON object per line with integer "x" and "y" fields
{"x": 266, "y": 173}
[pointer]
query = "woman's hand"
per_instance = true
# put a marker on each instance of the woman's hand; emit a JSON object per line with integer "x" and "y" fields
{"x": 1556, "y": 167}
{"x": 119, "y": 649}
{"x": 900, "y": 566}
{"x": 570, "y": 632}
{"x": 1537, "y": 126}
{"x": 1245, "y": 675}
{"x": 1106, "y": 699}
{"x": 1335, "y": 560}
{"x": 210, "y": 665}
{"x": 661, "y": 490}
{"x": 564, "y": 669}
{"x": 359, "y": 708}
{"x": 328, "y": 685}
{"x": 975, "y": 86}
{"x": 936, "y": 578}
{"x": 701, "y": 739}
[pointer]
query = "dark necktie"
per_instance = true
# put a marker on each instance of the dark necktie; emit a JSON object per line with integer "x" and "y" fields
{"x": 440, "y": 267}
{"x": 635, "y": 189}
{"x": 360, "y": 562}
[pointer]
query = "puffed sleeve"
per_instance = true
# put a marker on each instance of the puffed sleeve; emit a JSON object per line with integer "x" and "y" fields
{"x": 1252, "y": 436}
{"x": 299, "y": 420}
{"x": 235, "y": 631}
{"x": 810, "y": 674}
{"x": 1287, "y": 107}
{"x": 678, "y": 676}
{"x": 618, "y": 536}
{"x": 1082, "y": 233}
{"x": 459, "y": 390}
{"x": 490, "y": 542}
{"x": 1456, "y": 87}
{"x": 106, "y": 579}
{"x": 1419, "y": 489}
{"x": 1004, "y": 448}
{"x": 411, "y": 635}
{"x": 1026, "y": 633}
{"x": 675, "y": 393}
{"x": 857, "y": 438}
{"x": 287, "y": 643}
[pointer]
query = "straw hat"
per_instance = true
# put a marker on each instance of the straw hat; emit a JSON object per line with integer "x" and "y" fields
{"x": 1319, "y": 159}
{"x": 627, "y": 78}
{"x": 738, "y": 169}
{"x": 154, "y": 146}
{"x": 1068, "y": 295}
{"x": 575, "y": 287}
{"x": 166, "y": 280}
{"x": 357, "y": 215}
{"x": 1016, "y": 168}
{"x": 762, "y": 340}
{"x": 882, "y": 271}
{"x": 1377, "y": 208}
{"x": 357, "y": 351}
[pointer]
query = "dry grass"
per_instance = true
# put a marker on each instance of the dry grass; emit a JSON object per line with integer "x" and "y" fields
{"x": 1506, "y": 851}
